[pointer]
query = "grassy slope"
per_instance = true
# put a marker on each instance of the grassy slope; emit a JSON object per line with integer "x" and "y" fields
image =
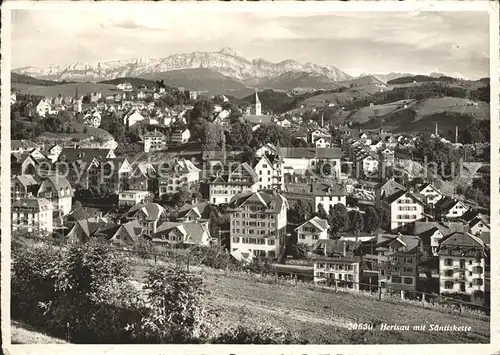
{"x": 323, "y": 316}
{"x": 23, "y": 334}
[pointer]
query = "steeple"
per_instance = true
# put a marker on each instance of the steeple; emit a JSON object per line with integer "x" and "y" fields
{"x": 256, "y": 97}
{"x": 76, "y": 92}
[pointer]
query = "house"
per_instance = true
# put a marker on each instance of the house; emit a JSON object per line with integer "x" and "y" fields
{"x": 58, "y": 190}
{"x": 182, "y": 174}
{"x": 153, "y": 141}
{"x": 477, "y": 227}
{"x": 432, "y": 194}
{"x": 125, "y": 86}
{"x": 431, "y": 233}
{"x": 270, "y": 173}
{"x": 328, "y": 195}
{"x": 54, "y": 152}
{"x": 133, "y": 197}
{"x": 312, "y": 230}
{"x": 369, "y": 163}
{"x": 258, "y": 223}
{"x": 180, "y": 136}
{"x": 95, "y": 96}
{"x": 32, "y": 214}
{"x": 462, "y": 263}
{"x": 398, "y": 257}
{"x": 405, "y": 208}
{"x": 149, "y": 215}
{"x": 120, "y": 234}
{"x": 195, "y": 212}
{"x": 322, "y": 142}
{"x": 115, "y": 174}
{"x": 83, "y": 230}
{"x": 133, "y": 118}
{"x": 266, "y": 149}
{"x": 43, "y": 107}
{"x": 182, "y": 234}
{"x": 22, "y": 186}
{"x": 450, "y": 208}
{"x": 222, "y": 187}
{"x": 318, "y": 133}
{"x": 284, "y": 123}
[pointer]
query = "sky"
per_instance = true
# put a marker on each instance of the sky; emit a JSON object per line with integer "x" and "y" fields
{"x": 455, "y": 43}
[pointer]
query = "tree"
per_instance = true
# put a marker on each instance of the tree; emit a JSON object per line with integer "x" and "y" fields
{"x": 322, "y": 212}
{"x": 384, "y": 214}
{"x": 300, "y": 211}
{"x": 338, "y": 219}
{"x": 247, "y": 155}
{"x": 300, "y": 250}
{"x": 211, "y": 136}
{"x": 240, "y": 133}
{"x": 372, "y": 220}
{"x": 85, "y": 130}
{"x": 356, "y": 222}
{"x": 202, "y": 109}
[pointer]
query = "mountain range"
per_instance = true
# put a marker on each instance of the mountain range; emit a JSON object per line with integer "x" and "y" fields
{"x": 226, "y": 61}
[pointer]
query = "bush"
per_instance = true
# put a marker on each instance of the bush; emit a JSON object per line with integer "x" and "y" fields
{"x": 175, "y": 310}
{"x": 246, "y": 335}
{"x": 80, "y": 294}
{"x": 213, "y": 256}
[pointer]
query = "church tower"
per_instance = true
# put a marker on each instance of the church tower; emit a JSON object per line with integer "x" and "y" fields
{"x": 77, "y": 107}
{"x": 257, "y": 108}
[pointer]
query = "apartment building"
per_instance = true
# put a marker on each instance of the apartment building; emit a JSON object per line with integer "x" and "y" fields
{"x": 258, "y": 223}
{"x": 32, "y": 214}
{"x": 462, "y": 264}
{"x": 270, "y": 173}
{"x": 58, "y": 190}
{"x": 312, "y": 230}
{"x": 154, "y": 141}
{"x": 398, "y": 257}
{"x": 337, "y": 264}
{"x": 182, "y": 174}
{"x": 405, "y": 209}
{"x": 222, "y": 187}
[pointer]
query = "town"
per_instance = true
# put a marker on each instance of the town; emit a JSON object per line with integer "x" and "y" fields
{"x": 323, "y": 203}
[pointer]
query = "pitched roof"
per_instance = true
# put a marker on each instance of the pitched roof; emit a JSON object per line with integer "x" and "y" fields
{"x": 320, "y": 223}
{"x": 390, "y": 187}
{"x": 446, "y": 228}
{"x": 447, "y": 203}
{"x": 310, "y": 153}
{"x": 201, "y": 208}
{"x": 273, "y": 201}
{"x": 320, "y": 189}
{"x": 60, "y": 184}
{"x": 465, "y": 240}
{"x": 192, "y": 231}
{"x": 33, "y": 203}
{"x": 84, "y": 154}
{"x": 26, "y": 180}
{"x": 153, "y": 211}
{"x": 410, "y": 242}
{"x": 16, "y": 144}
{"x": 399, "y": 194}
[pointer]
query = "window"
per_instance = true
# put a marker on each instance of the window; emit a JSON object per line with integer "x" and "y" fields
{"x": 477, "y": 282}
{"x": 396, "y": 279}
{"x": 478, "y": 270}
{"x": 408, "y": 269}
{"x": 270, "y": 242}
{"x": 448, "y": 273}
{"x": 448, "y": 285}
{"x": 448, "y": 262}
{"x": 408, "y": 281}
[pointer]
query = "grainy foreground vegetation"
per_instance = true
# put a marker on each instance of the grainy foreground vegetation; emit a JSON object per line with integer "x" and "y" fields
{"x": 91, "y": 294}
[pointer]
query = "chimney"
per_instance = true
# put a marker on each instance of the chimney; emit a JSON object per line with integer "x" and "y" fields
{"x": 343, "y": 249}
{"x": 324, "y": 249}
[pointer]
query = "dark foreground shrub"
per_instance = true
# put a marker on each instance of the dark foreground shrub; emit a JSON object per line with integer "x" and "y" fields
{"x": 245, "y": 335}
